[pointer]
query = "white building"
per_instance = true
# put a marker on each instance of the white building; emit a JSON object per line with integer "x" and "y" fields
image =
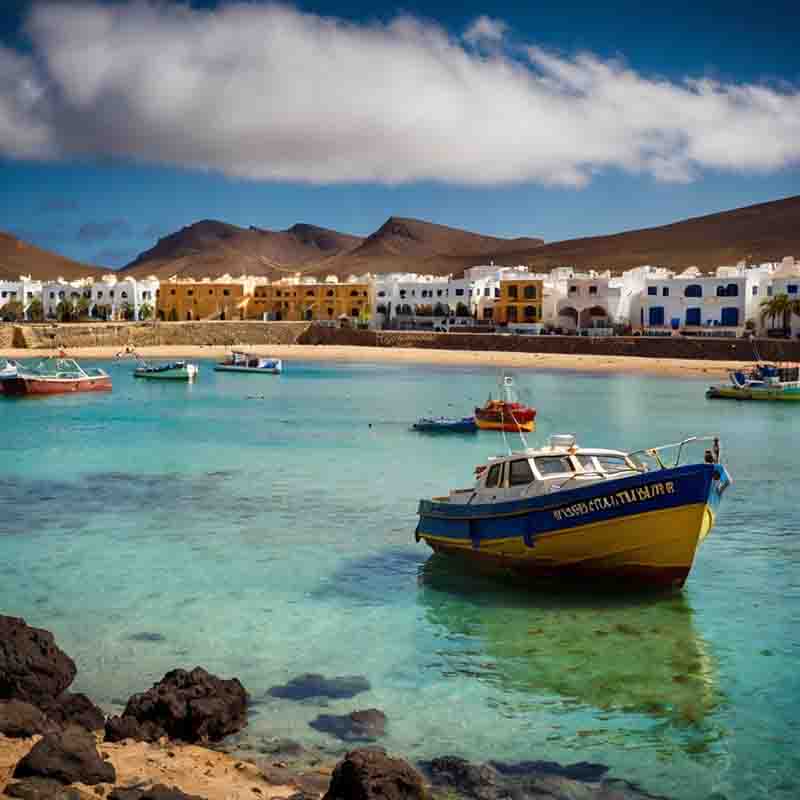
{"x": 23, "y": 291}
{"x": 785, "y": 280}
{"x": 697, "y": 304}
{"x": 408, "y": 300}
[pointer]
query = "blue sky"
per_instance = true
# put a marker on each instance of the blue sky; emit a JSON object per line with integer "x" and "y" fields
{"x": 559, "y": 120}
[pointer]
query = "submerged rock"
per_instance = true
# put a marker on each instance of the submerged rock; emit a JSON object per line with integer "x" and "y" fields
{"x": 311, "y": 684}
{"x": 529, "y": 780}
{"x": 369, "y": 774}
{"x": 356, "y": 726}
{"x": 32, "y": 667}
{"x": 191, "y": 706}
{"x": 147, "y": 636}
{"x": 19, "y": 720}
{"x": 69, "y": 756}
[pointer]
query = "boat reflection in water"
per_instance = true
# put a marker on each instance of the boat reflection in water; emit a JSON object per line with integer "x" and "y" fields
{"x": 615, "y": 655}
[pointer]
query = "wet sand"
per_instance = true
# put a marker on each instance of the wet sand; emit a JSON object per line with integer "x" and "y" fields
{"x": 672, "y": 367}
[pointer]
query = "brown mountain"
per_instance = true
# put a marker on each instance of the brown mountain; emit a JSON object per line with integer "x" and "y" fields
{"x": 18, "y": 257}
{"x": 212, "y": 248}
{"x": 763, "y": 232}
{"x": 413, "y": 245}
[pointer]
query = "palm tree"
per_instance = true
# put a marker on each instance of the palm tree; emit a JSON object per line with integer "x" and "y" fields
{"x": 778, "y": 307}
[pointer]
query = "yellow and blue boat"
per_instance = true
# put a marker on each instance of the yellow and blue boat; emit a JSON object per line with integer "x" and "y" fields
{"x": 764, "y": 382}
{"x": 569, "y": 512}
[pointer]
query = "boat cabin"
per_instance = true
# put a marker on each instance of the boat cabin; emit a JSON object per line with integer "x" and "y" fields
{"x": 561, "y": 465}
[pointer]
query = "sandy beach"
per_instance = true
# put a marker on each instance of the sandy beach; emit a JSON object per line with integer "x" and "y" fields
{"x": 672, "y": 367}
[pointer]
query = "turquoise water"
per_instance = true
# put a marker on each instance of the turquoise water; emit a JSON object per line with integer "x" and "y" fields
{"x": 263, "y": 527}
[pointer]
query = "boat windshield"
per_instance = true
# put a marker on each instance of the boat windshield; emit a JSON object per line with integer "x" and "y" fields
{"x": 554, "y": 465}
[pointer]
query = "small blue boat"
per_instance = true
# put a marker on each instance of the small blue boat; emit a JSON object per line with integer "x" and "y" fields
{"x": 445, "y": 425}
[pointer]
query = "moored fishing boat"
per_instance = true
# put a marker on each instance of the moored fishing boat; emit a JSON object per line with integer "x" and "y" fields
{"x": 239, "y": 361}
{"x": 763, "y": 382}
{"x": 55, "y": 376}
{"x": 565, "y": 511}
{"x": 506, "y": 413}
{"x": 173, "y": 371}
{"x": 445, "y": 425}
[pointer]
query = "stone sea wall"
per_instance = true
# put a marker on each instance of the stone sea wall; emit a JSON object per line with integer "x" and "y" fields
{"x": 143, "y": 334}
{"x": 643, "y": 346}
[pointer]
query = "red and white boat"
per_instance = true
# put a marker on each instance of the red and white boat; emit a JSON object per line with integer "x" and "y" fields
{"x": 56, "y": 376}
{"x": 506, "y": 413}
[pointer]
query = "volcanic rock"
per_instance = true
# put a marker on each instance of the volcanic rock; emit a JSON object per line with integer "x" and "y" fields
{"x": 20, "y": 720}
{"x": 32, "y": 667}
{"x": 120, "y": 728}
{"x": 192, "y": 706}
{"x": 356, "y": 726}
{"x": 368, "y": 774}
{"x": 157, "y": 792}
{"x": 311, "y": 684}
{"x": 77, "y": 709}
{"x": 69, "y": 756}
{"x": 42, "y": 789}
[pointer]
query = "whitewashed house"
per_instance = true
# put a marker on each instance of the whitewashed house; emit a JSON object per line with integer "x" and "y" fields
{"x": 23, "y": 291}
{"x": 785, "y": 280}
{"x": 696, "y": 304}
{"x": 408, "y": 300}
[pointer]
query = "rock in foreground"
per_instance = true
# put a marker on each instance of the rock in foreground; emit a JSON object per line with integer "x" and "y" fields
{"x": 190, "y": 706}
{"x": 32, "y": 667}
{"x": 157, "y": 792}
{"x": 69, "y": 756}
{"x": 19, "y": 720}
{"x": 372, "y": 775}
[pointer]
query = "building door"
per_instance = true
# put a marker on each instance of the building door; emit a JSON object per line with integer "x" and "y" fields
{"x": 656, "y": 315}
{"x": 693, "y": 316}
{"x": 730, "y": 317}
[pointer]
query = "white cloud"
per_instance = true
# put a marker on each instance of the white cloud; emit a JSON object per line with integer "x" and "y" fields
{"x": 485, "y": 30}
{"x": 266, "y": 92}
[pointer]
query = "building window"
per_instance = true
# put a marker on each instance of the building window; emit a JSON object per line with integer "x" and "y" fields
{"x": 172, "y": 291}
{"x": 226, "y": 292}
{"x": 652, "y": 290}
{"x": 512, "y": 291}
{"x": 380, "y": 294}
{"x": 330, "y": 292}
{"x": 730, "y": 317}
{"x": 755, "y": 291}
{"x": 512, "y": 313}
{"x": 459, "y": 292}
{"x": 530, "y": 311}
{"x": 693, "y": 316}
{"x": 354, "y": 293}
{"x": 530, "y": 292}
{"x": 665, "y": 291}
{"x": 693, "y": 290}
{"x": 330, "y": 312}
{"x": 486, "y": 292}
{"x": 656, "y": 315}
{"x": 497, "y": 292}
{"x": 353, "y": 312}
{"x": 309, "y": 292}
{"x": 769, "y": 291}
{"x": 438, "y": 292}
{"x": 573, "y": 290}
{"x": 190, "y": 292}
{"x": 792, "y": 288}
{"x": 592, "y": 290}
{"x": 124, "y": 295}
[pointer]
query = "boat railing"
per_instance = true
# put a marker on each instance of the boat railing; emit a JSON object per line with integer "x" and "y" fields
{"x": 656, "y": 452}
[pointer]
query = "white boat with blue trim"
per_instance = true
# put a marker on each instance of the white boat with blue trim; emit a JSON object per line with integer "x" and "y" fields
{"x": 239, "y": 361}
{"x": 570, "y": 512}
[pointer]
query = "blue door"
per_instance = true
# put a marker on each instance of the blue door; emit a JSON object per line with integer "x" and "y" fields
{"x": 730, "y": 317}
{"x": 657, "y": 315}
{"x": 693, "y": 316}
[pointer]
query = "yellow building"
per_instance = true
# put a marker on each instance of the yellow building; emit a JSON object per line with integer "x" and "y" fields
{"x": 293, "y": 302}
{"x": 179, "y": 301}
{"x": 520, "y": 301}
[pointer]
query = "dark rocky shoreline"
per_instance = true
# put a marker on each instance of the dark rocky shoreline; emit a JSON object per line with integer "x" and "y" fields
{"x": 60, "y": 746}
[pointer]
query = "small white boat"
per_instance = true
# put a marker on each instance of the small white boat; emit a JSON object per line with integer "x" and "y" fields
{"x": 173, "y": 371}
{"x": 239, "y": 361}
{"x": 8, "y": 370}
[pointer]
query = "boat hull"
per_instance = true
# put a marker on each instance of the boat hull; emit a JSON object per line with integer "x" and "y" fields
{"x": 261, "y": 370}
{"x": 641, "y": 531}
{"x": 510, "y": 427}
{"x": 445, "y": 426}
{"x": 21, "y": 385}
{"x": 736, "y": 393}
{"x": 166, "y": 375}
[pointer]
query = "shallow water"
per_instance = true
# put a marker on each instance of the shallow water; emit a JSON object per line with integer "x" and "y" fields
{"x": 263, "y": 527}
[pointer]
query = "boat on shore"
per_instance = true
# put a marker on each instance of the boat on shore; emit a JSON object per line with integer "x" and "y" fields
{"x": 239, "y": 361}
{"x": 8, "y": 369}
{"x": 54, "y": 376}
{"x": 172, "y": 371}
{"x": 566, "y": 512}
{"x": 445, "y": 425}
{"x": 506, "y": 413}
{"x": 763, "y": 382}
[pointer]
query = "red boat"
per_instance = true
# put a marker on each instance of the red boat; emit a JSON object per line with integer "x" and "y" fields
{"x": 60, "y": 376}
{"x": 507, "y": 414}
